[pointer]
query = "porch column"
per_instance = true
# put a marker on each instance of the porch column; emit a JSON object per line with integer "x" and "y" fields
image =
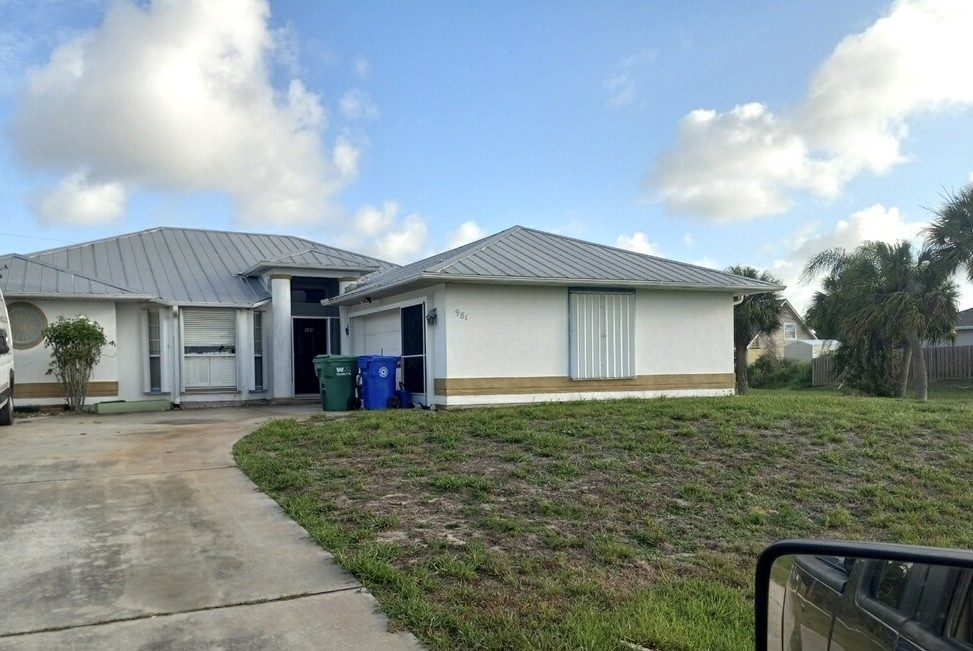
{"x": 281, "y": 347}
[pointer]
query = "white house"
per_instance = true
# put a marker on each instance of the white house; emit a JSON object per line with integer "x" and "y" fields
{"x": 196, "y": 315}
{"x": 524, "y": 316}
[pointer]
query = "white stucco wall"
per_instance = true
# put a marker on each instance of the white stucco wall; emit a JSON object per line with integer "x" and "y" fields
{"x": 497, "y": 331}
{"x": 683, "y": 332}
{"x": 32, "y": 363}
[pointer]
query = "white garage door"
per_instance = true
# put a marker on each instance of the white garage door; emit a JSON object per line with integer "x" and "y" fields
{"x": 377, "y": 334}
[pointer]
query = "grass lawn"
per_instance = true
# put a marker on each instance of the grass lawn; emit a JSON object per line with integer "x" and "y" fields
{"x": 598, "y": 525}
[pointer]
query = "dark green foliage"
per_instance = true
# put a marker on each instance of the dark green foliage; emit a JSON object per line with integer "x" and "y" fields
{"x": 881, "y": 301}
{"x": 768, "y": 372}
{"x": 75, "y": 346}
{"x": 756, "y": 314}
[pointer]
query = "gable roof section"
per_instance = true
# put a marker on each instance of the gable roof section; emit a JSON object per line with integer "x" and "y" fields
{"x": 964, "y": 320}
{"x": 522, "y": 255}
{"x": 22, "y": 276}
{"x": 190, "y": 266}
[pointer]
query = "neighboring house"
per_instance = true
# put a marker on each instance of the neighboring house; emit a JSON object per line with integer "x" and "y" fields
{"x": 964, "y": 331}
{"x": 525, "y": 316}
{"x": 196, "y": 315}
{"x": 804, "y": 350}
{"x": 792, "y": 329}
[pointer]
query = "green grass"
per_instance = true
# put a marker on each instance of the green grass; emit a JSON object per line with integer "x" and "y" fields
{"x": 597, "y": 525}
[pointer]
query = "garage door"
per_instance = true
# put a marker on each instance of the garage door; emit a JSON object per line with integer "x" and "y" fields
{"x": 378, "y": 334}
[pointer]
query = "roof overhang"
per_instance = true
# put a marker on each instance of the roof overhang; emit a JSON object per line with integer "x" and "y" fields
{"x": 428, "y": 279}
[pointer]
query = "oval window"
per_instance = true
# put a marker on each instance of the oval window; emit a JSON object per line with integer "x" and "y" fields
{"x": 27, "y": 323}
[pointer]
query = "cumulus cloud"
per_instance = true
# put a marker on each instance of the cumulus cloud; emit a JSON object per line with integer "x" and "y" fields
{"x": 76, "y": 200}
{"x": 747, "y": 162}
{"x": 357, "y": 105}
{"x": 467, "y": 232}
{"x": 361, "y": 67}
{"x": 176, "y": 95}
{"x": 386, "y": 234}
{"x": 638, "y": 242}
{"x": 876, "y": 223}
{"x": 622, "y": 82}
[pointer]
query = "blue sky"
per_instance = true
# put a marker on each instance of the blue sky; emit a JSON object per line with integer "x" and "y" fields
{"x": 715, "y": 133}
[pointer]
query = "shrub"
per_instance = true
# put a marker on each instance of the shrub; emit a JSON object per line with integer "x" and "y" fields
{"x": 768, "y": 372}
{"x": 76, "y": 346}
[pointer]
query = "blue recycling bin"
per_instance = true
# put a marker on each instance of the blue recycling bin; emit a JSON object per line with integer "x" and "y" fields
{"x": 377, "y": 380}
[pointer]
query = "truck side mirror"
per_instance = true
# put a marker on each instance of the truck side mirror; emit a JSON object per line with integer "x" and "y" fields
{"x": 4, "y": 342}
{"x": 815, "y": 594}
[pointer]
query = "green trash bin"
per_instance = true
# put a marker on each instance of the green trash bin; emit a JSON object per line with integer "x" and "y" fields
{"x": 336, "y": 376}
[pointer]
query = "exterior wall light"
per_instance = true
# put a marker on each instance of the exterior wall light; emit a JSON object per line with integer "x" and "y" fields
{"x": 431, "y": 317}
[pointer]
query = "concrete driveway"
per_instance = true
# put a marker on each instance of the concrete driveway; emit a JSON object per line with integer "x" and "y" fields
{"x": 138, "y": 531}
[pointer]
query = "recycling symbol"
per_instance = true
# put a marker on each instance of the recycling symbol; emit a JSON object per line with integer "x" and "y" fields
{"x": 383, "y": 372}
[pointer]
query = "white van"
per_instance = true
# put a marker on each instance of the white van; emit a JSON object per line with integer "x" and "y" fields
{"x": 6, "y": 367}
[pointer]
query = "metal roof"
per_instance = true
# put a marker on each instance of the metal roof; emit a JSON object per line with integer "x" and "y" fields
{"x": 522, "y": 255}
{"x": 22, "y": 276}
{"x": 189, "y": 266}
{"x": 965, "y": 319}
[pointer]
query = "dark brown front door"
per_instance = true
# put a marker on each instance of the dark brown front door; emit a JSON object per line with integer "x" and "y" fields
{"x": 310, "y": 340}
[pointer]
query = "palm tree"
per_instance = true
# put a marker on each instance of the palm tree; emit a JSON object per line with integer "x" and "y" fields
{"x": 950, "y": 234}
{"x": 756, "y": 314}
{"x": 882, "y": 295}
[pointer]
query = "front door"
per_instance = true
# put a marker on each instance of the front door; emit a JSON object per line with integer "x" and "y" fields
{"x": 310, "y": 340}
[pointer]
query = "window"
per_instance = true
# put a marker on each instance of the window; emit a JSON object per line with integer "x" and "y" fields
{"x": 209, "y": 348}
{"x": 602, "y": 334}
{"x": 790, "y": 331}
{"x": 258, "y": 351}
{"x": 27, "y": 323}
{"x": 154, "y": 334}
{"x": 889, "y": 583}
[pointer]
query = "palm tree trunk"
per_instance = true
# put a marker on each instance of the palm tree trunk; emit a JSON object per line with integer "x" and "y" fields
{"x": 740, "y": 369}
{"x": 904, "y": 368}
{"x": 919, "y": 361}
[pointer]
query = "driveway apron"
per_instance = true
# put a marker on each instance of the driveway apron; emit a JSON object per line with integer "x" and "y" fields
{"x": 138, "y": 531}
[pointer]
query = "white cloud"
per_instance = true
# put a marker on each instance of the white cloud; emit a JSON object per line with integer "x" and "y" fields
{"x": 637, "y": 242}
{"x": 361, "y": 67}
{"x": 622, "y": 83}
{"x": 357, "y": 105}
{"x": 385, "y": 234}
{"x": 77, "y": 201}
{"x": 467, "y": 232}
{"x": 707, "y": 262}
{"x": 747, "y": 162}
{"x": 176, "y": 95}
{"x": 876, "y": 223}
{"x": 688, "y": 239}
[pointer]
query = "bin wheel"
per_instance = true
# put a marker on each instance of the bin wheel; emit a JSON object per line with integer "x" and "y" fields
{"x": 354, "y": 404}
{"x": 394, "y": 403}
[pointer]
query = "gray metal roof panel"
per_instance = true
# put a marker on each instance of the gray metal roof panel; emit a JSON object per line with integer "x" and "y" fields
{"x": 521, "y": 254}
{"x": 181, "y": 265}
{"x": 25, "y": 277}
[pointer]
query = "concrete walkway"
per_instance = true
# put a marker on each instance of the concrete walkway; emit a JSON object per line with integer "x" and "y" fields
{"x": 138, "y": 531}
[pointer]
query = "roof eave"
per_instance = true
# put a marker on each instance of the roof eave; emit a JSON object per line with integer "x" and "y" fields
{"x": 425, "y": 277}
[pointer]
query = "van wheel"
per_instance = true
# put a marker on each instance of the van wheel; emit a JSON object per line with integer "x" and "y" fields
{"x": 7, "y": 412}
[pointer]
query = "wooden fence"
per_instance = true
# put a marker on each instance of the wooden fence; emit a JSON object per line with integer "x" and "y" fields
{"x": 942, "y": 363}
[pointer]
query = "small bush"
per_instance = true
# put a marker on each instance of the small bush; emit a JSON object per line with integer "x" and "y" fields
{"x": 768, "y": 372}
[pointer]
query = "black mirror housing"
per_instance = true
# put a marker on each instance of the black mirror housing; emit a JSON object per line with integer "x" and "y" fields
{"x": 841, "y": 564}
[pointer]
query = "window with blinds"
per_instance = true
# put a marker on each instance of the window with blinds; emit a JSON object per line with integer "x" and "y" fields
{"x": 155, "y": 352}
{"x": 602, "y": 334}
{"x": 209, "y": 348}
{"x": 258, "y": 351}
